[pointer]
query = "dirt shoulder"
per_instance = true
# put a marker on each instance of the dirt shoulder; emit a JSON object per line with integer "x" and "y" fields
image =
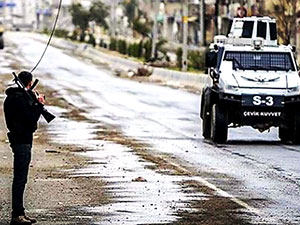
{"x": 52, "y": 195}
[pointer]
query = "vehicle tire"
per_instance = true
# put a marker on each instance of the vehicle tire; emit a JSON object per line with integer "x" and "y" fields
{"x": 1, "y": 43}
{"x": 285, "y": 134}
{"x": 206, "y": 128}
{"x": 219, "y": 124}
{"x": 296, "y": 129}
{"x": 291, "y": 133}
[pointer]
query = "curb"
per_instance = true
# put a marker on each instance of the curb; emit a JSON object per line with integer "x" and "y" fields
{"x": 170, "y": 77}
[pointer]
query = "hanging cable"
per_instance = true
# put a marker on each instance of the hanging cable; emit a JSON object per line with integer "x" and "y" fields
{"x": 52, "y": 32}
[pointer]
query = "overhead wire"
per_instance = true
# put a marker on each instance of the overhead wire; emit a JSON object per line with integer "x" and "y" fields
{"x": 51, "y": 35}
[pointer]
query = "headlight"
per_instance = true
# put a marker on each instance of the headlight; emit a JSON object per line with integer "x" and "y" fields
{"x": 293, "y": 89}
{"x": 232, "y": 87}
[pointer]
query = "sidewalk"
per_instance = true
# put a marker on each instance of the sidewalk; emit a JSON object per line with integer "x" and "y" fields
{"x": 166, "y": 76}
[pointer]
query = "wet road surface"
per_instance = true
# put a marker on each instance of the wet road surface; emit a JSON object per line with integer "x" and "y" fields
{"x": 255, "y": 170}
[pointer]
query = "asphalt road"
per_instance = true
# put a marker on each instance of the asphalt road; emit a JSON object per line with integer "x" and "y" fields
{"x": 254, "y": 169}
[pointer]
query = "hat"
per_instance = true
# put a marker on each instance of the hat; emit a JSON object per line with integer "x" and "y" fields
{"x": 25, "y": 77}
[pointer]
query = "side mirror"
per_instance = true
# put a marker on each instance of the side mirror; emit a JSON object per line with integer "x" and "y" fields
{"x": 211, "y": 59}
{"x": 215, "y": 75}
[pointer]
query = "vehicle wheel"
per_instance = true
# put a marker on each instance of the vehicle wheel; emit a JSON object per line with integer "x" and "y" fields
{"x": 291, "y": 133}
{"x": 206, "y": 117}
{"x": 285, "y": 134}
{"x": 206, "y": 127}
{"x": 296, "y": 129}
{"x": 1, "y": 42}
{"x": 219, "y": 124}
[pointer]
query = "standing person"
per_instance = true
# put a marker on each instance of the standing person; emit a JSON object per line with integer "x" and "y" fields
{"x": 21, "y": 118}
{"x": 241, "y": 12}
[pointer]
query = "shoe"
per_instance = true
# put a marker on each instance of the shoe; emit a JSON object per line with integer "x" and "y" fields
{"x": 32, "y": 220}
{"x": 20, "y": 220}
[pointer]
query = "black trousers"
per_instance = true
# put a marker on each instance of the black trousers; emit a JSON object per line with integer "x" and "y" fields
{"x": 22, "y": 157}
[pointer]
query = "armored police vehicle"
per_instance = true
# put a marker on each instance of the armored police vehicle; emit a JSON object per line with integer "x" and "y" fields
{"x": 254, "y": 82}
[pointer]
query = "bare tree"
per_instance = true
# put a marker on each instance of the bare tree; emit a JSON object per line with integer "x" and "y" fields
{"x": 285, "y": 13}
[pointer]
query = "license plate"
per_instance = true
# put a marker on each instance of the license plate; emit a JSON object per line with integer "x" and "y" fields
{"x": 262, "y": 100}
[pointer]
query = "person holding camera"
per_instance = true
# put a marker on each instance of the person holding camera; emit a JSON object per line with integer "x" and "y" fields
{"x": 21, "y": 117}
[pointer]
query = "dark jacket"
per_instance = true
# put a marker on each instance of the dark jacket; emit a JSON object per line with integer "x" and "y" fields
{"x": 21, "y": 116}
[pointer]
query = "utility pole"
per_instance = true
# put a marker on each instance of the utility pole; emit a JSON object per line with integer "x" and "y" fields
{"x": 201, "y": 21}
{"x": 113, "y": 18}
{"x": 217, "y": 17}
{"x": 185, "y": 18}
{"x": 165, "y": 21}
{"x": 4, "y": 10}
{"x": 24, "y": 11}
{"x": 11, "y": 12}
{"x": 154, "y": 29}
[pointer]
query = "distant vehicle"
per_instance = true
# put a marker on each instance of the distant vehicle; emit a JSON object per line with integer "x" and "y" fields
{"x": 254, "y": 82}
{"x": 1, "y": 36}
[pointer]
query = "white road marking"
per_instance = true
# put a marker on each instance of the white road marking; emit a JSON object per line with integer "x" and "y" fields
{"x": 220, "y": 191}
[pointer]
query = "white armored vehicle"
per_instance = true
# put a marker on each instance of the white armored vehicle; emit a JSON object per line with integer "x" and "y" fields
{"x": 254, "y": 82}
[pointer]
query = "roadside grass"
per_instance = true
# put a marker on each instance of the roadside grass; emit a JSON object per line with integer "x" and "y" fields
{"x": 141, "y": 60}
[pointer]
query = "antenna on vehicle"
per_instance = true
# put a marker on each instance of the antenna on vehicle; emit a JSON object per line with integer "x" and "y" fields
{"x": 52, "y": 32}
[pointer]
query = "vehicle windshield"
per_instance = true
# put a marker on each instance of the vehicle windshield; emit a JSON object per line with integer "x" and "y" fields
{"x": 260, "y": 60}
